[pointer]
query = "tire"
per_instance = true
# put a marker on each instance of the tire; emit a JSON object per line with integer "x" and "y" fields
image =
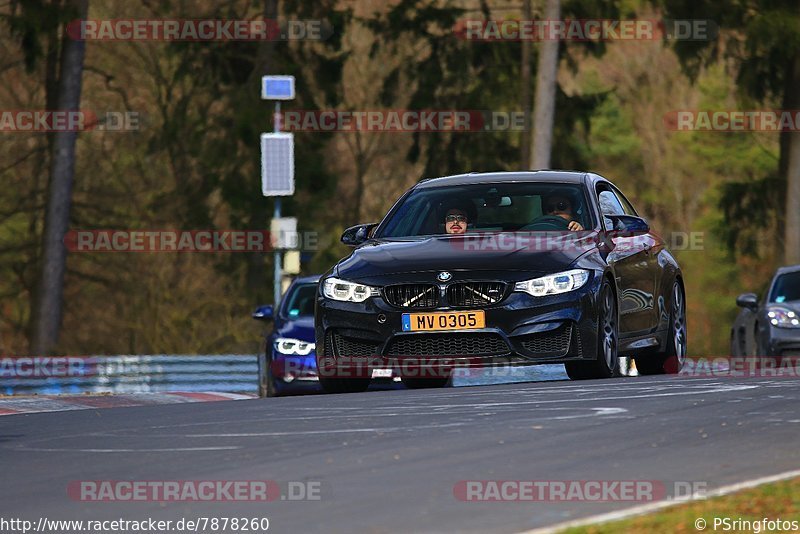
{"x": 671, "y": 360}
{"x": 272, "y": 387}
{"x": 269, "y": 388}
{"x": 426, "y": 383}
{"x": 606, "y": 363}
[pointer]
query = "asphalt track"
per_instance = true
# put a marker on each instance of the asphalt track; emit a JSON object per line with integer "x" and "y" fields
{"x": 388, "y": 461}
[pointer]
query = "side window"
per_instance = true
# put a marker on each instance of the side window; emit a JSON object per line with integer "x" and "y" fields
{"x": 626, "y": 206}
{"x": 609, "y": 205}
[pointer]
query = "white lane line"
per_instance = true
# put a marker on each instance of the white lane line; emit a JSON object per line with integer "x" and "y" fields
{"x": 400, "y": 409}
{"x": 311, "y": 432}
{"x": 178, "y": 449}
{"x": 655, "y": 506}
{"x": 705, "y": 391}
{"x": 413, "y": 402}
{"x": 647, "y": 393}
{"x": 597, "y": 412}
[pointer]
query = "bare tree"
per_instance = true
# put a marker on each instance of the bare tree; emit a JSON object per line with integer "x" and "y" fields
{"x": 546, "y": 79}
{"x": 50, "y": 302}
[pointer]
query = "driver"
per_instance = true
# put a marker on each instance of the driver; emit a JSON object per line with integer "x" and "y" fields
{"x": 455, "y": 221}
{"x": 457, "y": 215}
{"x": 561, "y": 206}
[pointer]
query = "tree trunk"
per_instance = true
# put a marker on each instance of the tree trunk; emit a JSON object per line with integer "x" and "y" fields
{"x": 525, "y": 93}
{"x": 51, "y": 102}
{"x": 62, "y": 168}
{"x": 545, "y": 104}
{"x": 791, "y": 242}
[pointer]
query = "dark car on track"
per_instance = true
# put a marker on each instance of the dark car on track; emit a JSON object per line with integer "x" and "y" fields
{"x": 770, "y": 327}
{"x": 289, "y": 350}
{"x": 518, "y": 287}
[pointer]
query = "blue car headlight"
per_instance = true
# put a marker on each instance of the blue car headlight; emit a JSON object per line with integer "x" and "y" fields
{"x": 554, "y": 284}
{"x": 293, "y": 347}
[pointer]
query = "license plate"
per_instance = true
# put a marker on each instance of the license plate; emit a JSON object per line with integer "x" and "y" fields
{"x": 381, "y": 373}
{"x": 414, "y": 322}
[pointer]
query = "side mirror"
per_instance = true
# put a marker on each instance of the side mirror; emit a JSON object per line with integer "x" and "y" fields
{"x": 629, "y": 223}
{"x": 263, "y": 313}
{"x": 747, "y": 300}
{"x": 356, "y": 235}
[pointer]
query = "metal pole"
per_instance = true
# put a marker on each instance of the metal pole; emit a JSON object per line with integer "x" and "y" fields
{"x": 277, "y": 258}
{"x": 277, "y": 215}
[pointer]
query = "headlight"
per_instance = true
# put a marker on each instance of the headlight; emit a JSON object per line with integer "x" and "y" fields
{"x": 286, "y": 345}
{"x": 783, "y": 318}
{"x": 554, "y": 284}
{"x": 337, "y": 289}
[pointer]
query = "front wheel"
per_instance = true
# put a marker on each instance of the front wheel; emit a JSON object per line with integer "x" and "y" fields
{"x": 268, "y": 387}
{"x": 606, "y": 364}
{"x": 672, "y": 358}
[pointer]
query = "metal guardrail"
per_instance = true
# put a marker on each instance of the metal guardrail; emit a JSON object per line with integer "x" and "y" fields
{"x": 234, "y": 373}
{"x": 224, "y": 373}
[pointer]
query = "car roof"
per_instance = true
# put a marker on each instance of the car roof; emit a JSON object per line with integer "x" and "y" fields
{"x": 787, "y": 269}
{"x": 556, "y": 176}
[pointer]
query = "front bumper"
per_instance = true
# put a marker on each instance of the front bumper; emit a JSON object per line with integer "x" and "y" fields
{"x": 520, "y": 329}
{"x": 784, "y": 342}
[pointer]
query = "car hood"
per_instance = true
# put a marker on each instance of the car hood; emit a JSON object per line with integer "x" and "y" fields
{"x": 793, "y": 305}
{"x": 529, "y": 252}
{"x": 301, "y": 328}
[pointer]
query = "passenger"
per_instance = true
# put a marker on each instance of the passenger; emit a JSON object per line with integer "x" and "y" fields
{"x": 561, "y": 206}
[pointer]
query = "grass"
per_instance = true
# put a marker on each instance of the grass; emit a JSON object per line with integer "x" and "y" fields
{"x": 779, "y": 500}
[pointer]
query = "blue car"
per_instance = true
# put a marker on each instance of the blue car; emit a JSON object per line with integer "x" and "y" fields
{"x": 290, "y": 357}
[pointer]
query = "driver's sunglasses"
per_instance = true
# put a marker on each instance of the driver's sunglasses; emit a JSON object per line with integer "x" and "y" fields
{"x": 560, "y": 206}
{"x": 454, "y": 218}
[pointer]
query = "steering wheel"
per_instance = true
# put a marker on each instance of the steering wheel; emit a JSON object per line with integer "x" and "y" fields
{"x": 547, "y": 222}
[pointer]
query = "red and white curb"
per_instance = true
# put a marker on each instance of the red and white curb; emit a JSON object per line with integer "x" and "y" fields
{"x": 62, "y": 403}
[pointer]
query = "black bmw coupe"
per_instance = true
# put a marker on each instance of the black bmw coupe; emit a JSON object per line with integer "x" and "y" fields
{"x": 503, "y": 268}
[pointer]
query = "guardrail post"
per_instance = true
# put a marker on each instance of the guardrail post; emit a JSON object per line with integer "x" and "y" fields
{"x": 262, "y": 373}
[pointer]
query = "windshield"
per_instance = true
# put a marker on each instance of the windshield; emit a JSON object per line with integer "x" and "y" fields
{"x": 300, "y": 301}
{"x": 786, "y": 288}
{"x": 486, "y": 208}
